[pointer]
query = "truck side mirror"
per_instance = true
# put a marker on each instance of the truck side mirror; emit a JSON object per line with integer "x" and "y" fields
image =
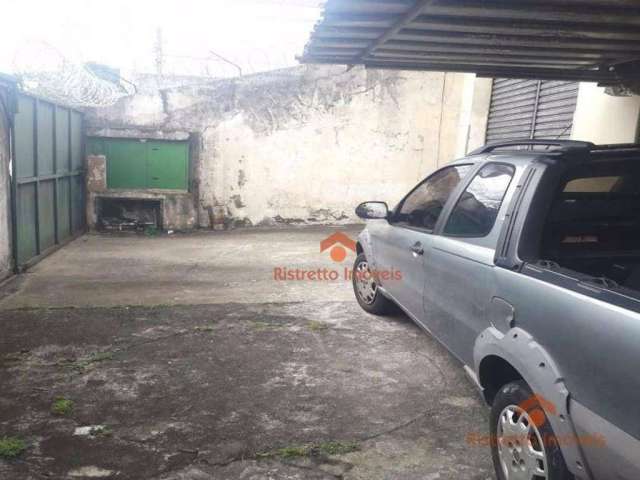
{"x": 372, "y": 210}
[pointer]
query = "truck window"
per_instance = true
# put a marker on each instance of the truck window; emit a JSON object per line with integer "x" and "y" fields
{"x": 594, "y": 223}
{"x": 422, "y": 207}
{"x": 593, "y": 184}
{"x": 477, "y": 209}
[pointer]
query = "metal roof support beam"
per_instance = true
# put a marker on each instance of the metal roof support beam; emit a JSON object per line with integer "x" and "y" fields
{"x": 495, "y": 71}
{"x": 477, "y": 39}
{"x": 529, "y": 27}
{"x": 407, "y": 18}
{"x": 537, "y": 11}
{"x": 489, "y": 49}
{"x": 482, "y": 57}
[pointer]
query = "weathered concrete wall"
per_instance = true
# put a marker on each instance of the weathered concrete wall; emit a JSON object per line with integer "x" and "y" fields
{"x": 301, "y": 145}
{"x": 5, "y": 198}
{"x": 602, "y": 118}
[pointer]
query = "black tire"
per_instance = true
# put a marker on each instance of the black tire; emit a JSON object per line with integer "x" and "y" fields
{"x": 519, "y": 394}
{"x": 380, "y": 305}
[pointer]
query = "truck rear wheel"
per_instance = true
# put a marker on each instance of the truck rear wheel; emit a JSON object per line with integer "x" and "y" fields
{"x": 523, "y": 444}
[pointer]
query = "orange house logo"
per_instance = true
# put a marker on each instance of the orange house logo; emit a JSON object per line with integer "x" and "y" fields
{"x": 538, "y": 409}
{"x": 535, "y": 406}
{"x": 338, "y": 243}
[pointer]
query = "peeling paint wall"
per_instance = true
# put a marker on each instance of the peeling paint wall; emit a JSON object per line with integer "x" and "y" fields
{"x": 5, "y": 197}
{"x": 301, "y": 145}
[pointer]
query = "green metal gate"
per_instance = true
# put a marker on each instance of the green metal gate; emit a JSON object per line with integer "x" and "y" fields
{"x": 48, "y": 178}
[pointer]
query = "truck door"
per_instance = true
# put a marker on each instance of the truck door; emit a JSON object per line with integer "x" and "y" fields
{"x": 459, "y": 281}
{"x": 405, "y": 244}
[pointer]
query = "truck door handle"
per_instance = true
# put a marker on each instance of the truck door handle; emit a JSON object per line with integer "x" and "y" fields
{"x": 417, "y": 249}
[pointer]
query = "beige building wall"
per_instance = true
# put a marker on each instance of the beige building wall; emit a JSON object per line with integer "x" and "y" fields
{"x": 602, "y": 118}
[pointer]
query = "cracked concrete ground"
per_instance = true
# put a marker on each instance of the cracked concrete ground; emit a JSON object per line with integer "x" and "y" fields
{"x": 232, "y": 376}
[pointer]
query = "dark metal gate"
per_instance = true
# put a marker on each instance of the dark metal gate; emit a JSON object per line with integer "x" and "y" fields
{"x": 47, "y": 179}
{"x": 531, "y": 109}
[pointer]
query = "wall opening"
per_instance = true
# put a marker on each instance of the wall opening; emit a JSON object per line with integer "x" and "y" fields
{"x": 125, "y": 214}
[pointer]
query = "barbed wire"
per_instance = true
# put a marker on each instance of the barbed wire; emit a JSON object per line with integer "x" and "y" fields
{"x": 45, "y": 72}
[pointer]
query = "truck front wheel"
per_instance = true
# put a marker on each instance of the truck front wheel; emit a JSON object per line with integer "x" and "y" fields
{"x": 365, "y": 286}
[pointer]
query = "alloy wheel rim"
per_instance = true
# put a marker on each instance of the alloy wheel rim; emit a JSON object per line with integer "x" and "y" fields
{"x": 520, "y": 446}
{"x": 366, "y": 286}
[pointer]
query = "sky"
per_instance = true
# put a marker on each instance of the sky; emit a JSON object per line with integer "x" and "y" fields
{"x": 256, "y": 35}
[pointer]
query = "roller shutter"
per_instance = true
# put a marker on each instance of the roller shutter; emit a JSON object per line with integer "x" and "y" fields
{"x": 531, "y": 109}
{"x": 556, "y": 106}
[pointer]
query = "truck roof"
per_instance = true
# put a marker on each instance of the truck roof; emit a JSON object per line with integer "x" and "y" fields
{"x": 527, "y": 150}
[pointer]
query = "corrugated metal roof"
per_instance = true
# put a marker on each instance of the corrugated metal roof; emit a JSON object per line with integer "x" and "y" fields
{"x": 591, "y": 40}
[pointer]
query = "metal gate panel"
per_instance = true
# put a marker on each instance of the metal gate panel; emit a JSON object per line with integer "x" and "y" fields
{"x": 27, "y": 242}
{"x": 76, "y": 141}
{"x": 63, "y": 205}
{"x": 531, "y": 109}
{"x": 24, "y": 135}
{"x": 77, "y": 202}
{"x": 45, "y": 134}
{"x": 48, "y": 177}
{"x": 62, "y": 139}
{"x": 77, "y": 176}
{"x": 46, "y": 214}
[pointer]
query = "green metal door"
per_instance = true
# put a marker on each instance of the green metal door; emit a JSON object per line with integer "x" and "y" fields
{"x": 168, "y": 163}
{"x": 144, "y": 164}
{"x": 126, "y": 164}
{"x": 48, "y": 177}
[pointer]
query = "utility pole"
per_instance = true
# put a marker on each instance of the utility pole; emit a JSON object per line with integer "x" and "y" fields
{"x": 158, "y": 52}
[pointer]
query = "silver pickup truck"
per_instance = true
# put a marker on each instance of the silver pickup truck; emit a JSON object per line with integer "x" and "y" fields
{"x": 523, "y": 259}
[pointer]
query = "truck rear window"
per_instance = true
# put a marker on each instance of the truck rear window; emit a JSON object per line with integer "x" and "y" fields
{"x": 594, "y": 223}
{"x": 593, "y": 184}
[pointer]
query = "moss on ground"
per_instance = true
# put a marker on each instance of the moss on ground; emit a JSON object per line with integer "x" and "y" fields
{"x": 311, "y": 450}
{"x": 316, "y": 326}
{"x": 101, "y": 431}
{"x": 260, "y": 326}
{"x": 11, "y": 447}
{"x": 62, "y": 407}
{"x": 207, "y": 328}
{"x": 85, "y": 364}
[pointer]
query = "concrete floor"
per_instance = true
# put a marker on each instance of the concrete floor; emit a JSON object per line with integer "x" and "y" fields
{"x": 234, "y": 266}
{"x": 200, "y": 366}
